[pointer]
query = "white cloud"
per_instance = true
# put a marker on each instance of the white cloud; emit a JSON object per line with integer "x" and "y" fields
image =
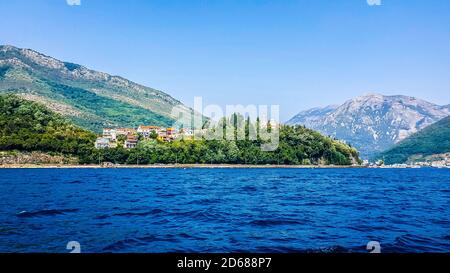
{"x": 374, "y": 2}
{"x": 73, "y": 2}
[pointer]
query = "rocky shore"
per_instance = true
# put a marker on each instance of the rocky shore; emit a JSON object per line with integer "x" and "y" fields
{"x": 168, "y": 166}
{"x": 13, "y": 158}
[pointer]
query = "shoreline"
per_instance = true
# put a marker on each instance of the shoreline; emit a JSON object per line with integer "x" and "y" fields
{"x": 175, "y": 166}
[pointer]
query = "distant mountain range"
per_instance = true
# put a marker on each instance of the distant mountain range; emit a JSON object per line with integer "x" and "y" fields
{"x": 91, "y": 99}
{"x": 433, "y": 140}
{"x": 373, "y": 123}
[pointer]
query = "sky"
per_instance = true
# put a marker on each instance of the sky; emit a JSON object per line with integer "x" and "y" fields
{"x": 297, "y": 54}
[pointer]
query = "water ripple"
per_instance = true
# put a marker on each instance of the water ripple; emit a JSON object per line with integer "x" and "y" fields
{"x": 226, "y": 210}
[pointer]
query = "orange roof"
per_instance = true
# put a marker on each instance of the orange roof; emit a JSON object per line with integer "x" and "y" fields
{"x": 170, "y": 129}
{"x": 149, "y": 127}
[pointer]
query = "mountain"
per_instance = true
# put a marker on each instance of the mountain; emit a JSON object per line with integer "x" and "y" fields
{"x": 373, "y": 123}
{"x": 89, "y": 98}
{"x": 433, "y": 140}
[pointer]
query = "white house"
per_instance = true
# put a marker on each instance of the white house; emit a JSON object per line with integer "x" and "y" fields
{"x": 102, "y": 143}
{"x": 131, "y": 142}
{"x": 145, "y": 131}
{"x": 110, "y": 133}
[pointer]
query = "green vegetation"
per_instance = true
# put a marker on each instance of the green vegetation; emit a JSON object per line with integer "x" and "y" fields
{"x": 96, "y": 111}
{"x": 28, "y": 126}
{"x": 298, "y": 145}
{"x": 98, "y": 100}
{"x": 117, "y": 112}
{"x": 435, "y": 139}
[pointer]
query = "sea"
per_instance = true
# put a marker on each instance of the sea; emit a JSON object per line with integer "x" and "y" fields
{"x": 224, "y": 210}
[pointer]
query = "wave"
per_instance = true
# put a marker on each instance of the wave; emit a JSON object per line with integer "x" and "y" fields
{"x": 249, "y": 189}
{"x": 274, "y": 222}
{"x": 40, "y": 213}
{"x": 131, "y": 243}
{"x": 409, "y": 243}
{"x": 144, "y": 213}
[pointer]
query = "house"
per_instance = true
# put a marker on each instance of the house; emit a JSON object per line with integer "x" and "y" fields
{"x": 146, "y": 131}
{"x": 131, "y": 142}
{"x": 125, "y": 131}
{"x": 166, "y": 134}
{"x": 171, "y": 132}
{"x": 165, "y": 138}
{"x": 110, "y": 133}
{"x": 110, "y": 136}
{"x": 102, "y": 143}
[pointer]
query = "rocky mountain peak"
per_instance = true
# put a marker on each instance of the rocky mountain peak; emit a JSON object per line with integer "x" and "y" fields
{"x": 4, "y": 48}
{"x": 373, "y": 122}
{"x": 30, "y": 56}
{"x": 38, "y": 60}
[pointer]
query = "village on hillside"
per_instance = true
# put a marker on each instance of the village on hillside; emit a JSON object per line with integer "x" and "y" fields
{"x": 130, "y": 137}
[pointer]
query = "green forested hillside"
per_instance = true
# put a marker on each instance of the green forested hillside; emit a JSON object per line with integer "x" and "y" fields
{"x": 105, "y": 112}
{"x": 28, "y": 126}
{"x": 89, "y": 98}
{"x": 435, "y": 139}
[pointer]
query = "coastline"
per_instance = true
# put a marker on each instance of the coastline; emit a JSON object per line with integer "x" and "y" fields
{"x": 174, "y": 166}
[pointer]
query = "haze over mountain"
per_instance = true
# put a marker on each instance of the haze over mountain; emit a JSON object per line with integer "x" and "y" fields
{"x": 89, "y": 98}
{"x": 373, "y": 123}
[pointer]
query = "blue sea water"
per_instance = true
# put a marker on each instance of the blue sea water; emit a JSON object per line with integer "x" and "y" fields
{"x": 224, "y": 210}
